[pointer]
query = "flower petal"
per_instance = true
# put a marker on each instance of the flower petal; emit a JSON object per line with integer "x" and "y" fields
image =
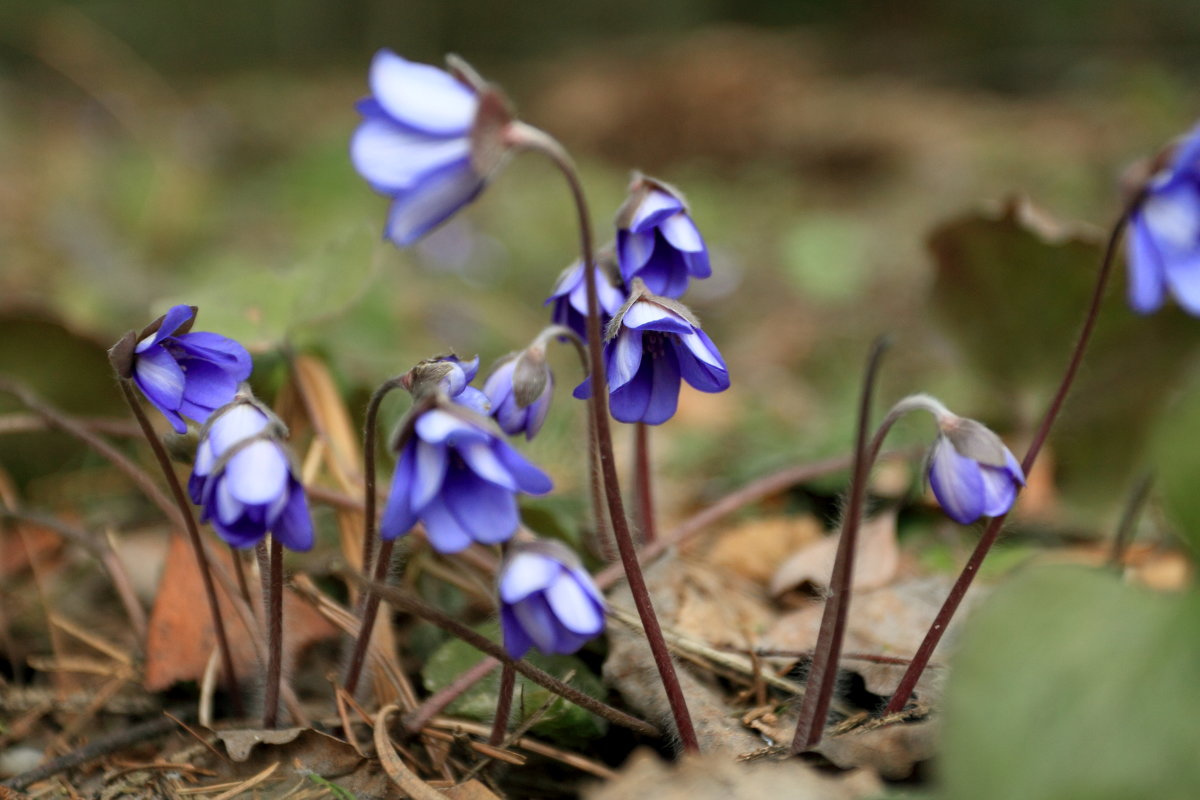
{"x": 628, "y": 403}
{"x": 398, "y": 514}
{"x": 516, "y": 642}
{"x": 664, "y": 391}
{"x": 393, "y": 159}
{"x": 421, "y": 96}
{"x": 441, "y": 427}
{"x": 956, "y": 482}
{"x": 173, "y": 320}
{"x": 294, "y": 526}
{"x": 238, "y": 423}
{"x": 160, "y": 378}
{"x": 443, "y": 529}
{"x": 429, "y": 475}
{"x": 483, "y": 461}
{"x": 1147, "y": 278}
{"x": 701, "y": 364}
{"x": 529, "y": 478}
{"x": 487, "y": 512}
{"x": 645, "y": 315}
{"x": 633, "y": 251}
{"x": 682, "y": 233}
{"x": 257, "y": 474}
{"x": 526, "y": 573}
{"x": 656, "y": 207}
{"x": 431, "y": 201}
{"x": 538, "y": 621}
{"x": 625, "y": 355}
{"x": 574, "y": 609}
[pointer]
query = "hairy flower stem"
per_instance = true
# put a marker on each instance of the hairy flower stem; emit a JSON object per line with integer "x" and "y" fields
{"x": 598, "y": 407}
{"x": 934, "y": 635}
{"x": 412, "y": 605}
{"x": 508, "y": 680}
{"x": 185, "y": 512}
{"x": 239, "y": 570}
{"x": 642, "y": 483}
{"x": 273, "y": 589}
{"x": 822, "y": 672}
{"x": 369, "y": 602}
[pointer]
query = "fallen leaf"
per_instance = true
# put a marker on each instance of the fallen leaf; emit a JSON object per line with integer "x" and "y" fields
{"x": 892, "y": 751}
{"x": 875, "y": 563}
{"x": 471, "y": 790}
{"x": 180, "y": 636}
{"x": 755, "y": 549}
{"x": 718, "y": 776}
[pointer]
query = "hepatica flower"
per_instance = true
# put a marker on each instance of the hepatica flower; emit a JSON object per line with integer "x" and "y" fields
{"x": 520, "y": 390}
{"x": 657, "y": 240}
{"x": 185, "y": 374}
{"x": 457, "y": 386}
{"x": 653, "y": 343}
{"x": 461, "y": 479}
{"x": 971, "y": 472}
{"x": 1164, "y": 235}
{"x": 428, "y": 140}
{"x": 547, "y": 600}
{"x": 244, "y": 483}
{"x": 569, "y": 297}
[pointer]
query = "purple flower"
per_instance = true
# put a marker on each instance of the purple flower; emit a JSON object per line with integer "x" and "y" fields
{"x": 1164, "y": 235}
{"x": 547, "y": 600}
{"x": 244, "y": 483}
{"x": 187, "y": 374}
{"x": 971, "y": 472}
{"x": 653, "y": 344}
{"x": 455, "y": 384}
{"x": 428, "y": 140}
{"x": 570, "y": 299}
{"x": 461, "y": 480}
{"x": 534, "y": 385}
{"x": 657, "y": 240}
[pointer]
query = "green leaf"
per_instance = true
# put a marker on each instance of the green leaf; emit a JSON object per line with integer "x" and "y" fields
{"x": 1070, "y": 684}
{"x": 564, "y": 722}
{"x": 1012, "y": 289}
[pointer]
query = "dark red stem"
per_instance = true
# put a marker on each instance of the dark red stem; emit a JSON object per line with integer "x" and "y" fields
{"x": 508, "y": 679}
{"x": 822, "y": 673}
{"x": 934, "y": 635}
{"x": 274, "y": 592}
{"x": 643, "y": 483}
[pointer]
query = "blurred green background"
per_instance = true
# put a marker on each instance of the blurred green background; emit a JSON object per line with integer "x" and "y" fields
{"x": 196, "y": 152}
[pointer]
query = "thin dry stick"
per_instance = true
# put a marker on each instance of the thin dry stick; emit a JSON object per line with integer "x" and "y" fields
{"x": 643, "y": 482}
{"x": 598, "y": 406}
{"x": 532, "y": 745}
{"x": 437, "y": 702}
{"x": 822, "y": 673}
{"x": 934, "y": 635}
{"x": 412, "y": 605}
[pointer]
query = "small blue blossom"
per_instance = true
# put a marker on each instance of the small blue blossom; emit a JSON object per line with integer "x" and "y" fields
{"x": 512, "y": 417}
{"x": 244, "y": 483}
{"x": 570, "y": 299}
{"x": 652, "y": 345}
{"x": 971, "y": 472}
{"x": 1164, "y": 235}
{"x": 457, "y": 388}
{"x": 547, "y": 600}
{"x": 657, "y": 240}
{"x": 415, "y": 144}
{"x": 460, "y": 478}
{"x": 186, "y": 374}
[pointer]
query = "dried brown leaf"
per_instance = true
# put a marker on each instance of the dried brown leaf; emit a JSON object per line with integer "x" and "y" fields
{"x": 755, "y": 549}
{"x": 892, "y": 751}
{"x": 875, "y": 563}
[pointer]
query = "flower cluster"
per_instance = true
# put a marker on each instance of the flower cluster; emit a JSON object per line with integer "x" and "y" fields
{"x": 186, "y": 374}
{"x": 547, "y": 600}
{"x": 520, "y": 389}
{"x": 244, "y": 482}
{"x": 657, "y": 240}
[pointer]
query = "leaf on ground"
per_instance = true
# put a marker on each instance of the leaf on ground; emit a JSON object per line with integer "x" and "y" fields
{"x": 1069, "y": 683}
{"x": 875, "y": 563}
{"x": 180, "y": 638}
{"x": 892, "y": 751}
{"x": 720, "y": 777}
{"x": 17, "y": 541}
{"x": 755, "y": 549}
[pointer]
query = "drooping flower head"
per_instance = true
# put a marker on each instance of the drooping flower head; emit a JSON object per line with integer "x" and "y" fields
{"x": 429, "y": 140}
{"x": 182, "y": 373}
{"x": 570, "y": 294}
{"x": 547, "y": 600}
{"x": 657, "y": 240}
{"x": 243, "y": 479}
{"x": 653, "y": 343}
{"x": 454, "y": 472}
{"x": 520, "y": 389}
{"x": 1163, "y": 244}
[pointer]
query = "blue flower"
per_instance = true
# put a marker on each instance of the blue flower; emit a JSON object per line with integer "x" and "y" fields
{"x": 657, "y": 240}
{"x": 547, "y": 600}
{"x": 513, "y": 417}
{"x": 187, "y": 374}
{"x": 415, "y": 144}
{"x": 570, "y": 298}
{"x": 244, "y": 483}
{"x": 1164, "y": 235}
{"x": 456, "y": 384}
{"x": 971, "y": 472}
{"x": 460, "y": 479}
{"x": 653, "y": 344}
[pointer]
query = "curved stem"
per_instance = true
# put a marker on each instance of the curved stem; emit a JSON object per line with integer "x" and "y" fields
{"x": 822, "y": 673}
{"x": 369, "y": 496}
{"x": 934, "y": 635}
{"x": 598, "y": 406}
{"x": 185, "y": 511}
